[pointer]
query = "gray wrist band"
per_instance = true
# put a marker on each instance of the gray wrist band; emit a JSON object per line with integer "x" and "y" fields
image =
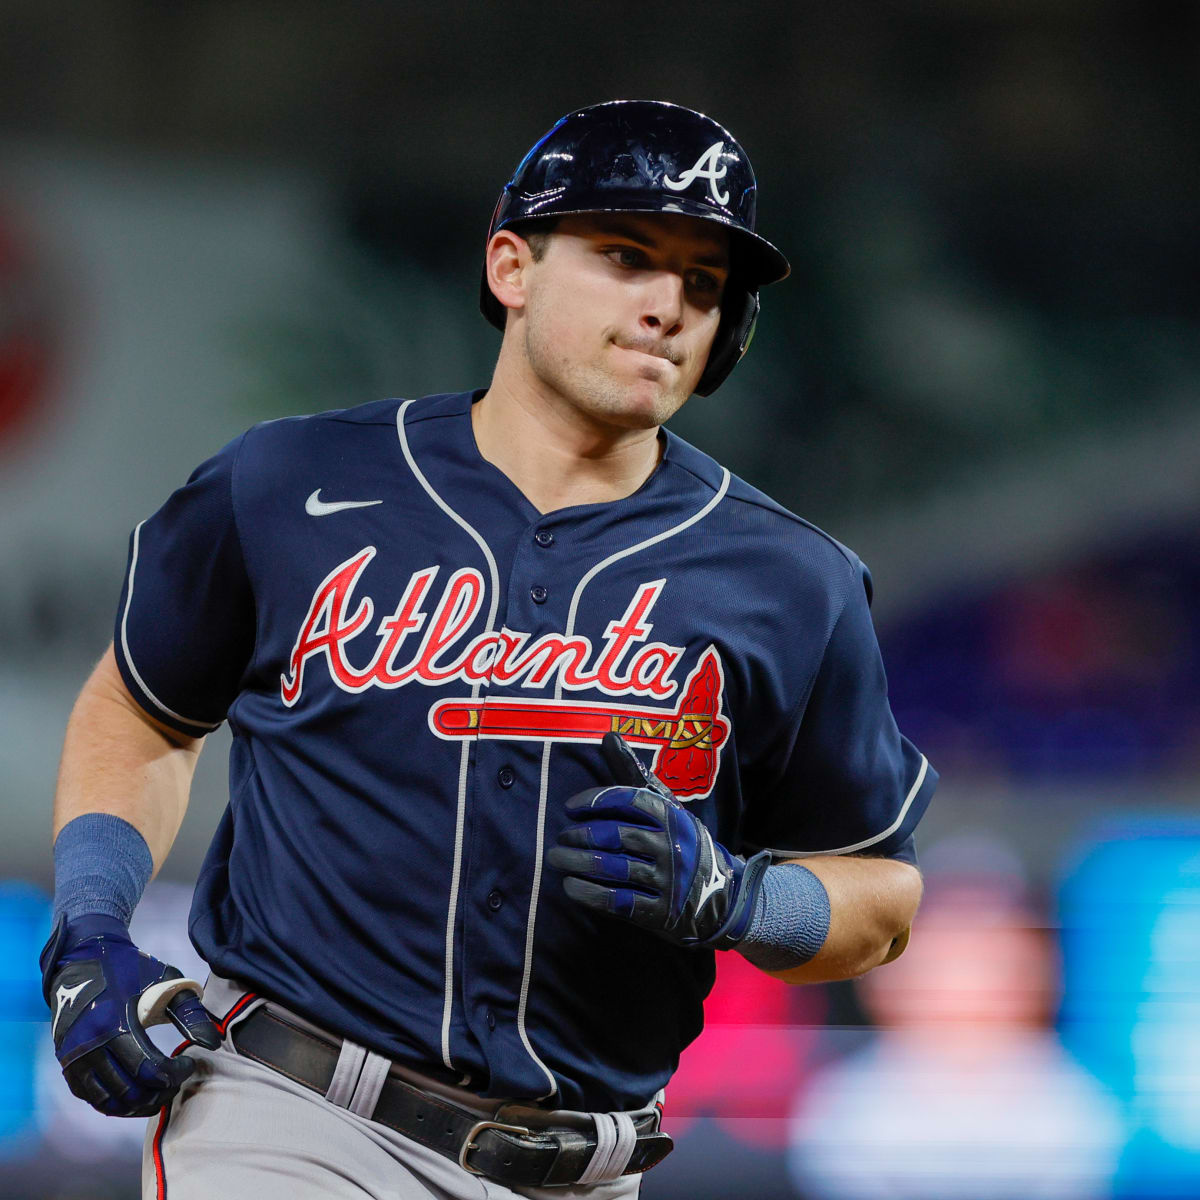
{"x": 101, "y": 865}
{"x": 791, "y": 919}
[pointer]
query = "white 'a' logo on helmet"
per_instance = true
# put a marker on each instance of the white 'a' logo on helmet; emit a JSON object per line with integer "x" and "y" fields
{"x": 707, "y": 166}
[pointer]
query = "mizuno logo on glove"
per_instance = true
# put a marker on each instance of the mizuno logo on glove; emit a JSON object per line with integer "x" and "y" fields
{"x": 716, "y": 881}
{"x": 65, "y": 996}
{"x": 104, "y": 992}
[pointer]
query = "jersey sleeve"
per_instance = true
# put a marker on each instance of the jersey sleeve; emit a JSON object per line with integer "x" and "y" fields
{"x": 905, "y": 852}
{"x": 185, "y": 622}
{"x": 847, "y": 781}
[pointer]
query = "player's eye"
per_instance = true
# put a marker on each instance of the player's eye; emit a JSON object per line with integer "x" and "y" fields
{"x": 627, "y": 256}
{"x": 703, "y": 283}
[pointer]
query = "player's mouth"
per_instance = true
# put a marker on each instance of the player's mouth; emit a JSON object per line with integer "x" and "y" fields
{"x": 650, "y": 363}
{"x": 649, "y": 348}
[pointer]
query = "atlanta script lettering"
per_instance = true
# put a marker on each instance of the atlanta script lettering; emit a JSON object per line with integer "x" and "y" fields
{"x": 626, "y": 664}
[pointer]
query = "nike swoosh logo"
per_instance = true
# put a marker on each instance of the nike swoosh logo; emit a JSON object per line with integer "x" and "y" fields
{"x": 716, "y": 881}
{"x": 316, "y": 507}
{"x": 65, "y": 997}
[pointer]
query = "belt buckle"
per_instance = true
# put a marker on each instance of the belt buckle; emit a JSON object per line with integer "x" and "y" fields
{"x": 475, "y": 1130}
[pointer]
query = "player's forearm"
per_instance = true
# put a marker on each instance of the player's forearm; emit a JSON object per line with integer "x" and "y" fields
{"x": 872, "y": 903}
{"x": 116, "y": 760}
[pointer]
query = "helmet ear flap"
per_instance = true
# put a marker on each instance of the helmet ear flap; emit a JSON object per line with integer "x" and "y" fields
{"x": 739, "y": 314}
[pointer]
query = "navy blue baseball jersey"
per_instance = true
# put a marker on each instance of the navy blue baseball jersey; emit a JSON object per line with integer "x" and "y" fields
{"x": 418, "y": 667}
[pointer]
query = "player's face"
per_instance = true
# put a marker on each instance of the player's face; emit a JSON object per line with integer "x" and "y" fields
{"x": 621, "y": 312}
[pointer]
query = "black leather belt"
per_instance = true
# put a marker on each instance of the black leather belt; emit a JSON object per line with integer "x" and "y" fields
{"x": 510, "y": 1154}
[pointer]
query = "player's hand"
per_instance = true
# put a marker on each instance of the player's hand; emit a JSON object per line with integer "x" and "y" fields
{"x": 103, "y": 992}
{"x": 634, "y": 851}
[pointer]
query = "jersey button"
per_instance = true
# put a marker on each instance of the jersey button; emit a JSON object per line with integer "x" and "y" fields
{"x": 538, "y": 593}
{"x": 495, "y": 900}
{"x": 506, "y": 777}
{"x": 544, "y": 538}
{"x": 490, "y": 1018}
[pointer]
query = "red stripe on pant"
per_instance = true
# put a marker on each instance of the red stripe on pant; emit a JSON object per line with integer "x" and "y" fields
{"x": 160, "y": 1172}
{"x": 164, "y": 1116}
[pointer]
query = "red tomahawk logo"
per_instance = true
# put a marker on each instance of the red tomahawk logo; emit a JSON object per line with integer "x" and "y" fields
{"x": 687, "y": 741}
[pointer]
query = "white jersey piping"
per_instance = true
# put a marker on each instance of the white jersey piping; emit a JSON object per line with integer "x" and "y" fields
{"x": 612, "y": 558}
{"x": 871, "y": 841}
{"x": 535, "y": 891}
{"x": 460, "y": 817}
{"x": 207, "y": 726}
{"x": 527, "y": 971}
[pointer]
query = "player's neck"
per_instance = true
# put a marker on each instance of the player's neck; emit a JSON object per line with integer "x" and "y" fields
{"x": 555, "y": 457}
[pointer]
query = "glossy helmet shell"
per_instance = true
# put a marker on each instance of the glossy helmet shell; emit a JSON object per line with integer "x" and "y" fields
{"x": 648, "y": 156}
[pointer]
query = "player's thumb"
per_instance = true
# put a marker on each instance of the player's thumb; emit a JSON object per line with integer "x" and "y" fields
{"x": 626, "y": 768}
{"x": 191, "y": 1018}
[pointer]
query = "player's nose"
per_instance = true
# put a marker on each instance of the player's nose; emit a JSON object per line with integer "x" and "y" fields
{"x": 663, "y": 303}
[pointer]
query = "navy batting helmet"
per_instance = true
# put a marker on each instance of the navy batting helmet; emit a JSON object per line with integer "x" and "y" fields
{"x": 648, "y": 156}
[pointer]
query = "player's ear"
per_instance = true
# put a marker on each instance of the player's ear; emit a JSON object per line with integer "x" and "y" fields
{"x": 506, "y": 264}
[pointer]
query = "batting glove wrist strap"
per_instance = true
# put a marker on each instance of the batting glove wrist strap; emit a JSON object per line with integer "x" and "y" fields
{"x": 103, "y": 993}
{"x": 745, "y": 904}
{"x": 633, "y": 851}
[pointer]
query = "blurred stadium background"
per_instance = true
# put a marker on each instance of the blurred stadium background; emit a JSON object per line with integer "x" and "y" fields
{"x": 984, "y": 375}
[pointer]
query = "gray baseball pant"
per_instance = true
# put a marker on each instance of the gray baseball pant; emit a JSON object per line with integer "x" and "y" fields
{"x": 239, "y": 1130}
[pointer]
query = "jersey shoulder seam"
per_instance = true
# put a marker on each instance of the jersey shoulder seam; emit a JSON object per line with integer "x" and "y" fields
{"x": 341, "y": 415}
{"x": 430, "y": 410}
{"x": 766, "y": 504}
{"x": 786, "y": 513}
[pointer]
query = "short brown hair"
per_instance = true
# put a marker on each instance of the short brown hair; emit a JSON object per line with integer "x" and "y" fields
{"x": 537, "y": 234}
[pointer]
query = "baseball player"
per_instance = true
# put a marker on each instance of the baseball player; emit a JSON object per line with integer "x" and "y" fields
{"x": 535, "y": 708}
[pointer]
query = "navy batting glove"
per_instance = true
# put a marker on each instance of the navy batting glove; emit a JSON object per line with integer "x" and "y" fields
{"x": 103, "y": 992}
{"x": 635, "y": 852}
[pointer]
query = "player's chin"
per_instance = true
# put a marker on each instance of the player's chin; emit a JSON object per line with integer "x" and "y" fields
{"x": 637, "y": 411}
{"x": 646, "y": 401}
